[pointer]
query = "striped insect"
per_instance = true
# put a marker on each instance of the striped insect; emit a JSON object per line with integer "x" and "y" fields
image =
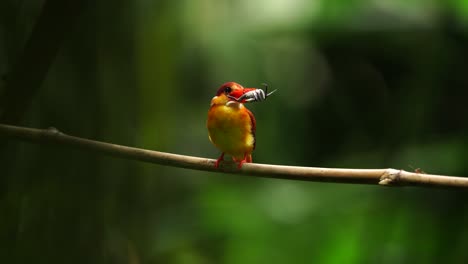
{"x": 256, "y": 95}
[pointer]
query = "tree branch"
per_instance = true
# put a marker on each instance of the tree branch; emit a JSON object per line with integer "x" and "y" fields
{"x": 386, "y": 177}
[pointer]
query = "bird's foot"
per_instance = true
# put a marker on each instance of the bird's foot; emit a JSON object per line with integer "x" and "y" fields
{"x": 241, "y": 163}
{"x": 247, "y": 159}
{"x": 221, "y": 158}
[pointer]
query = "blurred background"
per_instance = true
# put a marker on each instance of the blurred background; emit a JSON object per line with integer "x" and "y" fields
{"x": 361, "y": 84}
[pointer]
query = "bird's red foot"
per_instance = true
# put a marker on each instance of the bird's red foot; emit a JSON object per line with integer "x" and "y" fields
{"x": 247, "y": 158}
{"x": 221, "y": 158}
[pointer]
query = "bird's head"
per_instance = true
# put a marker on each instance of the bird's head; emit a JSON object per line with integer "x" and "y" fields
{"x": 228, "y": 92}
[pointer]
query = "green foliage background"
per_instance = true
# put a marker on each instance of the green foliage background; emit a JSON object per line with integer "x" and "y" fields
{"x": 361, "y": 84}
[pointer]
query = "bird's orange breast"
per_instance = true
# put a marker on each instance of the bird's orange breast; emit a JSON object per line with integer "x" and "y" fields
{"x": 231, "y": 129}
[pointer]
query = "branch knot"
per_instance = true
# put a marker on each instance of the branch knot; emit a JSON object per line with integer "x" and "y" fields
{"x": 51, "y": 132}
{"x": 390, "y": 177}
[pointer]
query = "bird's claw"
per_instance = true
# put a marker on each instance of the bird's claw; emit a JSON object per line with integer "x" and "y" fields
{"x": 239, "y": 166}
{"x": 218, "y": 161}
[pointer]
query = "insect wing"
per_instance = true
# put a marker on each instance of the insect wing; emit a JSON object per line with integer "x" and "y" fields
{"x": 270, "y": 93}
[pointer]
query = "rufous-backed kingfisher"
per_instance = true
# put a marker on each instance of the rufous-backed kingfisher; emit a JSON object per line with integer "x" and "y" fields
{"x": 231, "y": 126}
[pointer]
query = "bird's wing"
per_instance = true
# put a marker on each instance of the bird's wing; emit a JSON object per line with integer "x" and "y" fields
{"x": 253, "y": 125}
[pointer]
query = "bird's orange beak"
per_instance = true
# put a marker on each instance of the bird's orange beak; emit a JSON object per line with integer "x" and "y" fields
{"x": 239, "y": 93}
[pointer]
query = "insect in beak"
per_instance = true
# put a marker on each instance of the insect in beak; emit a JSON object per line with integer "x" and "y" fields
{"x": 253, "y": 95}
{"x": 266, "y": 90}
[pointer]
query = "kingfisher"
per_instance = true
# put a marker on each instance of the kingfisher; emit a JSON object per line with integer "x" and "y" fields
{"x": 231, "y": 126}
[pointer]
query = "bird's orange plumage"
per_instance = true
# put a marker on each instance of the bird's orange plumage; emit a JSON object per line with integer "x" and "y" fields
{"x": 231, "y": 126}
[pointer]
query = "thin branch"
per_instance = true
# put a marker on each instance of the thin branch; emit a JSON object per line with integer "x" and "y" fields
{"x": 386, "y": 177}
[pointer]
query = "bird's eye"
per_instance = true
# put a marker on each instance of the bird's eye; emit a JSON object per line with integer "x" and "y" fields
{"x": 227, "y": 90}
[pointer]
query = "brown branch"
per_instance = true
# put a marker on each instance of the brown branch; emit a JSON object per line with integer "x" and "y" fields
{"x": 386, "y": 177}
